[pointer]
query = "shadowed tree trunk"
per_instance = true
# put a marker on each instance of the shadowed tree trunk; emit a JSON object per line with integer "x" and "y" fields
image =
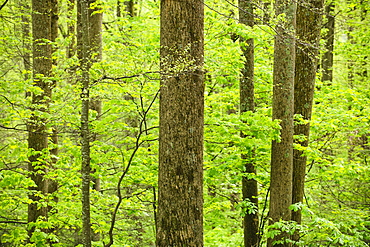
{"x": 249, "y": 185}
{"x": 180, "y": 181}
{"x": 327, "y": 60}
{"x": 37, "y": 125}
{"x": 95, "y": 104}
{"x": 282, "y": 108}
{"x": 52, "y": 183}
{"x": 71, "y": 29}
{"x": 84, "y": 54}
{"x": 308, "y": 30}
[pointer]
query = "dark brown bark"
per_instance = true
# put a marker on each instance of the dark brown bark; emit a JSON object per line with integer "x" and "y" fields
{"x": 37, "y": 125}
{"x": 84, "y": 54}
{"x": 180, "y": 198}
{"x": 282, "y": 108}
{"x": 249, "y": 186}
{"x": 308, "y": 30}
{"x": 327, "y": 60}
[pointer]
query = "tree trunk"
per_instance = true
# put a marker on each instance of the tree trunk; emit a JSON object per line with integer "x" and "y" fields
{"x": 85, "y": 63}
{"x": 71, "y": 29}
{"x": 26, "y": 36}
{"x": 95, "y": 104}
{"x": 308, "y": 33}
{"x": 130, "y": 8}
{"x": 282, "y": 108}
{"x": 54, "y": 137}
{"x": 52, "y": 183}
{"x": 327, "y": 60}
{"x": 180, "y": 198}
{"x": 37, "y": 125}
{"x": 249, "y": 186}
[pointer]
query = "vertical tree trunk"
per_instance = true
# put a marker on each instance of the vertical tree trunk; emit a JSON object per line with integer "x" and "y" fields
{"x": 282, "y": 108}
{"x": 327, "y": 60}
{"x": 95, "y": 104}
{"x": 180, "y": 198}
{"x": 95, "y": 34}
{"x": 37, "y": 125}
{"x": 249, "y": 186}
{"x": 26, "y": 36}
{"x": 71, "y": 30}
{"x": 308, "y": 33}
{"x": 130, "y": 7}
{"x": 52, "y": 183}
{"x": 54, "y": 35}
{"x": 85, "y": 63}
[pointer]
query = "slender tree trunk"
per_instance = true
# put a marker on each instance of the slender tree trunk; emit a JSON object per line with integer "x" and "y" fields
{"x": 26, "y": 38}
{"x": 95, "y": 104}
{"x": 53, "y": 186}
{"x": 327, "y": 60}
{"x": 282, "y": 108}
{"x": 71, "y": 29}
{"x": 180, "y": 198}
{"x": 52, "y": 183}
{"x": 37, "y": 125}
{"x": 85, "y": 63}
{"x": 249, "y": 186}
{"x": 308, "y": 30}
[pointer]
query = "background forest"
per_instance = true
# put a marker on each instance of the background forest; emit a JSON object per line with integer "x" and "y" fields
{"x": 124, "y": 118}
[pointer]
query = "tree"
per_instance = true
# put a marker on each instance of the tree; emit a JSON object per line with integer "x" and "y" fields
{"x": 308, "y": 30}
{"x": 85, "y": 65}
{"x": 282, "y": 109}
{"x": 37, "y": 125}
{"x": 180, "y": 178}
{"x": 327, "y": 60}
{"x": 249, "y": 185}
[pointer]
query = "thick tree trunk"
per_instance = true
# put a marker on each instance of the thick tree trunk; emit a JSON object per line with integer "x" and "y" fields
{"x": 327, "y": 60}
{"x": 37, "y": 125}
{"x": 282, "y": 108}
{"x": 249, "y": 186}
{"x": 85, "y": 63}
{"x": 180, "y": 199}
{"x": 309, "y": 20}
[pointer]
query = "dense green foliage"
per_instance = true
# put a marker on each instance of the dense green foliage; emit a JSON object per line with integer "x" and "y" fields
{"x": 124, "y": 156}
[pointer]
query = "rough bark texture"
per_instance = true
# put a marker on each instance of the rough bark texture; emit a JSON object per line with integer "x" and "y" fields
{"x": 249, "y": 186}
{"x": 327, "y": 60}
{"x": 282, "y": 108}
{"x": 36, "y": 126}
{"x": 308, "y": 30}
{"x": 84, "y": 55}
{"x": 180, "y": 198}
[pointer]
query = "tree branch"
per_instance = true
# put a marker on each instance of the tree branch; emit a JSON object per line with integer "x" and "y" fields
{"x": 1, "y": 7}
